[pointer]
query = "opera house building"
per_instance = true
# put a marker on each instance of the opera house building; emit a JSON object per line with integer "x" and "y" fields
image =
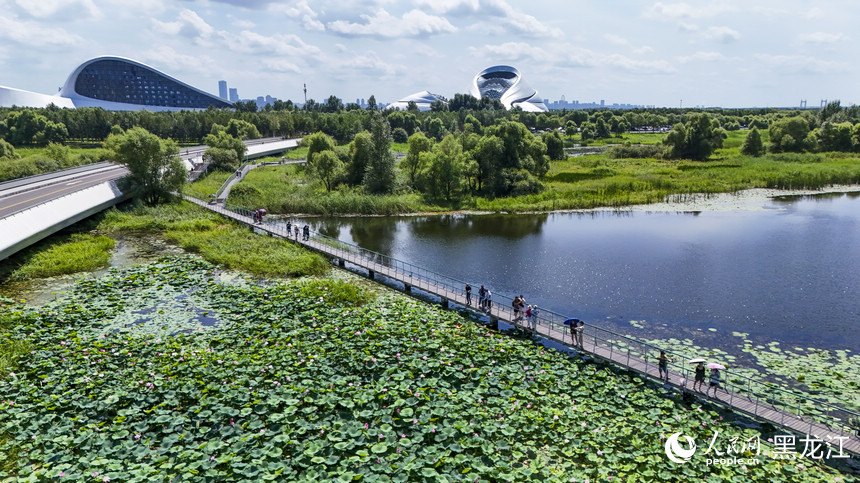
{"x": 117, "y": 84}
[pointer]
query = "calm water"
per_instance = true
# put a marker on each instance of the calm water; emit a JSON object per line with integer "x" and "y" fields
{"x": 789, "y": 272}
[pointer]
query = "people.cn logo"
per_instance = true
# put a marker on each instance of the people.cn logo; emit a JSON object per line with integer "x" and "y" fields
{"x": 674, "y": 450}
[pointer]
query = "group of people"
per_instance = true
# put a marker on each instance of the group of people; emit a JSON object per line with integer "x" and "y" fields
{"x": 577, "y": 328}
{"x": 485, "y": 298}
{"x": 258, "y": 215}
{"x": 523, "y": 311}
{"x": 306, "y": 231}
{"x": 713, "y": 381}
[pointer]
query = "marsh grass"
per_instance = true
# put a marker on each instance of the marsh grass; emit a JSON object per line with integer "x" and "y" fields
{"x": 33, "y": 161}
{"x": 590, "y": 181}
{"x": 208, "y": 183}
{"x": 79, "y": 253}
{"x": 217, "y": 240}
{"x": 286, "y": 190}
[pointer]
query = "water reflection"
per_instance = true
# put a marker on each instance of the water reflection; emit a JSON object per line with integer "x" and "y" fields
{"x": 789, "y": 272}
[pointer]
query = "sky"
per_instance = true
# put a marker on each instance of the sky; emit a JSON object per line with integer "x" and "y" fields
{"x": 727, "y": 53}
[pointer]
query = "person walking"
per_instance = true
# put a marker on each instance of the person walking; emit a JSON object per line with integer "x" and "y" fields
{"x": 663, "y": 365}
{"x": 535, "y": 313}
{"x": 529, "y": 316}
{"x": 306, "y": 233}
{"x": 489, "y": 300}
{"x": 522, "y": 306}
{"x": 700, "y": 376}
{"x": 482, "y": 296}
{"x": 468, "y": 295}
{"x": 580, "y": 328}
{"x": 297, "y": 231}
{"x": 714, "y": 382}
{"x": 516, "y": 305}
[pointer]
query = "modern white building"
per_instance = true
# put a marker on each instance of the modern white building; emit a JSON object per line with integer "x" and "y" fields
{"x": 423, "y": 100}
{"x": 117, "y": 84}
{"x": 505, "y": 83}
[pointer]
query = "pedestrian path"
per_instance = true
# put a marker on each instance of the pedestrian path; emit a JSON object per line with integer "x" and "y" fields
{"x": 758, "y": 399}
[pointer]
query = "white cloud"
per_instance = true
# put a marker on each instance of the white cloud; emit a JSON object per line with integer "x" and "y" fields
{"x": 722, "y": 34}
{"x": 189, "y": 25}
{"x": 681, "y": 10}
{"x": 452, "y": 7}
{"x": 824, "y": 38}
{"x": 414, "y": 23}
{"x": 59, "y": 9}
{"x": 244, "y": 24}
{"x": 281, "y": 65}
{"x": 701, "y": 57}
{"x": 797, "y": 64}
{"x": 290, "y": 45}
{"x": 511, "y": 51}
{"x": 167, "y": 59}
{"x": 615, "y": 39}
{"x": 645, "y": 49}
{"x": 35, "y": 34}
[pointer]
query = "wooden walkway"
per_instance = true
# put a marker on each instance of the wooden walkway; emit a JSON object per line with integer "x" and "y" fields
{"x": 760, "y": 406}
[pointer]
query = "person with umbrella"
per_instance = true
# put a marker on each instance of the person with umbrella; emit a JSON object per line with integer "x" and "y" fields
{"x": 715, "y": 377}
{"x": 700, "y": 373}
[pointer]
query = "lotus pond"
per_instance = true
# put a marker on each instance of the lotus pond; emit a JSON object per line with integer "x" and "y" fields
{"x": 164, "y": 372}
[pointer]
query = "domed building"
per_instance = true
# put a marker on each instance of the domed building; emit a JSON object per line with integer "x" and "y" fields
{"x": 505, "y": 83}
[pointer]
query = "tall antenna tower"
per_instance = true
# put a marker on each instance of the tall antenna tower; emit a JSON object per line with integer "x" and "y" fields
{"x": 803, "y": 103}
{"x": 823, "y": 102}
{"x": 306, "y": 93}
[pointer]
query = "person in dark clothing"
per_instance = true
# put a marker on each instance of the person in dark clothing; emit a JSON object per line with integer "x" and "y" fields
{"x": 468, "y": 295}
{"x": 700, "y": 376}
{"x": 663, "y": 365}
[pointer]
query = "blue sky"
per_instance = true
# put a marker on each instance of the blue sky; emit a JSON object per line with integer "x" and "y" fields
{"x": 729, "y": 53}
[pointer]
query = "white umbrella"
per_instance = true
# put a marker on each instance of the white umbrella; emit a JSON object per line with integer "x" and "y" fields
{"x": 696, "y": 360}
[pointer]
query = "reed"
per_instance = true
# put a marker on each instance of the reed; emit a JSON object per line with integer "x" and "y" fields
{"x": 78, "y": 253}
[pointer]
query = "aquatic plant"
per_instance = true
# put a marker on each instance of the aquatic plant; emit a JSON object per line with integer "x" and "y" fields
{"x": 322, "y": 380}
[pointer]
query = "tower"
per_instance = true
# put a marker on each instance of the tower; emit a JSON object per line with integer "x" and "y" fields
{"x": 222, "y": 89}
{"x": 306, "y": 93}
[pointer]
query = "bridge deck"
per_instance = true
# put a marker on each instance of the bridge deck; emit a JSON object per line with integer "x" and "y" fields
{"x": 592, "y": 345}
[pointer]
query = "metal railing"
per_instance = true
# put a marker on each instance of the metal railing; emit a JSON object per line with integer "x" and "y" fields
{"x": 741, "y": 392}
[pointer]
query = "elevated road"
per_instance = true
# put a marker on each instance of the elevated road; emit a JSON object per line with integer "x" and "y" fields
{"x": 34, "y": 207}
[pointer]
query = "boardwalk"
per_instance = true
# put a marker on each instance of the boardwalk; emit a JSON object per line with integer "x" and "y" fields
{"x": 754, "y": 398}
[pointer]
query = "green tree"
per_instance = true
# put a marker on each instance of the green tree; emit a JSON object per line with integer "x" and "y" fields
{"x": 316, "y": 143}
{"x": 25, "y": 127}
{"x": 554, "y": 145}
{"x": 380, "y": 175}
{"x": 835, "y": 137}
{"x": 222, "y": 159}
{"x": 753, "y": 145}
{"x": 445, "y": 169}
{"x": 399, "y": 135}
{"x": 155, "y": 171}
{"x": 371, "y": 103}
{"x": 59, "y": 152}
{"x": 245, "y": 106}
{"x": 791, "y": 134}
{"x": 418, "y": 143}
{"x": 436, "y": 129}
{"x": 219, "y": 143}
{"x": 696, "y": 139}
{"x": 328, "y": 167}
{"x": 7, "y": 151}
{"x": 488, "y": 156}
{"x": 242, "y": 130}
{"x": 360, "y": 151}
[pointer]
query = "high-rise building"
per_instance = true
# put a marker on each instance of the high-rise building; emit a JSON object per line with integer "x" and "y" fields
{"x": 222, "y": 89}
{"x": 234, "y": 95}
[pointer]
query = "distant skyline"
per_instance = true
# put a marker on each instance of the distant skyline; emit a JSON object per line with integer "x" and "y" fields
{"x": 731, "y": 53}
